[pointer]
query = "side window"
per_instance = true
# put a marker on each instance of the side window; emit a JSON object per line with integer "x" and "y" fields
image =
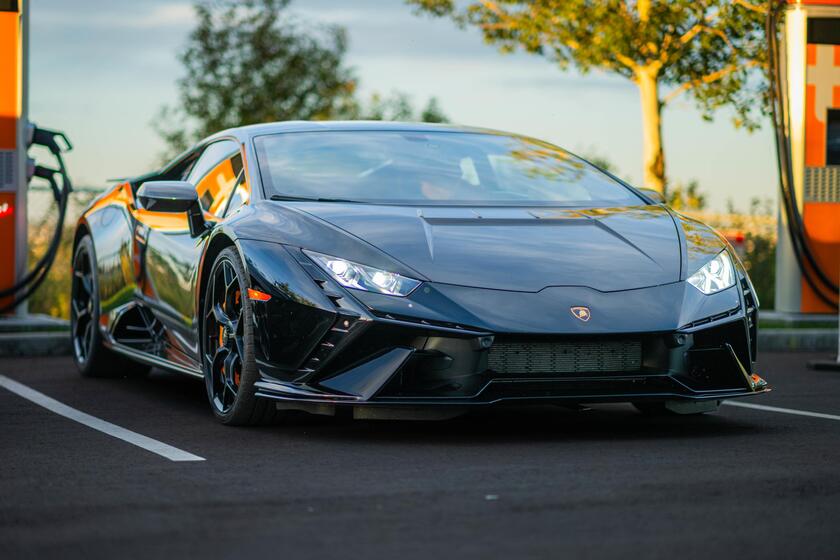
{"x": 181, "y": 170}
{"x": 240, "y": 197}
{"x": 215, "y": 174}
{"x": 212, "y": 155}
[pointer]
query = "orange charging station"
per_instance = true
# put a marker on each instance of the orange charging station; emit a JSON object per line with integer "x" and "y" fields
{"x": 810, "y": 57}
{"x": 13, "y": 158}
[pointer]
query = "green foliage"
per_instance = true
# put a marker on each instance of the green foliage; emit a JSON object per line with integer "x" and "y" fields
{"x": 395, "y": 107}
{"x": 53, "y": 296}
{"x": 760, "y": 262}
{"x": 759, "y": 251}
{"x": 686, "y": 197}
{"x": 433, "y": 113}
{"x": 250, "y": 61}
{"x": 708, "y": 48}
{"x": 601, "y": 161}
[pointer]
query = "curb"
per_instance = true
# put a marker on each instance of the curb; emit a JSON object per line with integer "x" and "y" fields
{"x": 55, "y": 343}
{"x": 797, "y": 340}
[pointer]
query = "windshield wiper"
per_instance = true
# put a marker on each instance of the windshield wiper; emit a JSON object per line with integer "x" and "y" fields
{"x": 282, "y": 197}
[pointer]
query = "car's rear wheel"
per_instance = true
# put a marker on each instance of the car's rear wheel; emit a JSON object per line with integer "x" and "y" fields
{"x": 230, "y": 369}
{"x": 92, "y": 358}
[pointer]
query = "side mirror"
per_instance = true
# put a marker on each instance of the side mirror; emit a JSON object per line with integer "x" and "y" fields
{"x": 175, "y": 197}
{"x": 656, "y": 196}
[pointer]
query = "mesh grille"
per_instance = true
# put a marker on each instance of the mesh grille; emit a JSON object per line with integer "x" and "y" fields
{"x": 565, "y": 357}
{"x": 822, "y": 184}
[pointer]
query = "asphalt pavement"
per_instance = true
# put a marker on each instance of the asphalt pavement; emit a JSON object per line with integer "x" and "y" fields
{"x": 510, "y": 482}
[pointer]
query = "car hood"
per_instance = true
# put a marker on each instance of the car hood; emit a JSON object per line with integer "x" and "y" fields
{"x": 519, "y": 249}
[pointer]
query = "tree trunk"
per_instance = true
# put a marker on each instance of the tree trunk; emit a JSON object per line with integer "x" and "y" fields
{"x": 653, "y": 155}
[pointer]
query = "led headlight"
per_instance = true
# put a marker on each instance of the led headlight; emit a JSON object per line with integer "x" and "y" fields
{"x": 716, "y": 275}
{"x": 361, "y": 277}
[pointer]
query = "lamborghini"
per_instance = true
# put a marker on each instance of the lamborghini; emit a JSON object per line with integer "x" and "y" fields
{"x": 395, "y": 270}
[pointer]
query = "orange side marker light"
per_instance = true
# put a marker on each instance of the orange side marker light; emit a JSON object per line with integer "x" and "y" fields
{"x": 257, "y": 295}
{"x": 758, "y": 382}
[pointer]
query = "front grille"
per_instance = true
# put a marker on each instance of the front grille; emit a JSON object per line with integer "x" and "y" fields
{"x": 550, "y": 357}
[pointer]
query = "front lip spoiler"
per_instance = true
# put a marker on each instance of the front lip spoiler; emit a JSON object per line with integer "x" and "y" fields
{"x": 290, "y": 392}
{"x": 299, "y": 392}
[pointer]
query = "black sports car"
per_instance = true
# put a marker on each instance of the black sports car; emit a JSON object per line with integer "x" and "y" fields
{"x": 407, "y": 270}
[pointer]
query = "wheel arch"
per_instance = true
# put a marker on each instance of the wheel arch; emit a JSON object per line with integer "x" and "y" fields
{"x": 218, "y": 243}
{"x": 82, "y": 229}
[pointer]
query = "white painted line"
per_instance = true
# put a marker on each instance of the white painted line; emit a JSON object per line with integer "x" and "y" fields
{"x": 147, "y": 443}
{"x": 783, "y": 410}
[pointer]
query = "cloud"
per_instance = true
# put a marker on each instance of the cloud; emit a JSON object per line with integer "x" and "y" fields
{"x": 169, "y": 14}
{"x": 156, "y": 17}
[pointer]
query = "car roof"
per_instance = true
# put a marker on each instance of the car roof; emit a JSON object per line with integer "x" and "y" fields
{"x": 250, "y": 131}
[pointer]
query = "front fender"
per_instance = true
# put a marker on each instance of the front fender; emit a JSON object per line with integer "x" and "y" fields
{"x": 289, "y": 326}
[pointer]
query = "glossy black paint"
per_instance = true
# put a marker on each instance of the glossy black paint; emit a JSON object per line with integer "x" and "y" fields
{"x": 656, "y": 309}
{"x": 167, "y": 196}
{"x": 487, "y": 272}
{"x": 519, "y": 249}
{"x": 298, "y": 315}
{"x": 175, "y": 197}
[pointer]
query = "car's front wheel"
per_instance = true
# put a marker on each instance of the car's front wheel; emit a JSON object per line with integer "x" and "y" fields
{"x": 230, "y": 369}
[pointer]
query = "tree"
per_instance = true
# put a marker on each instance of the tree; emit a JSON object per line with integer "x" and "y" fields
{"x": 433, "y": 113}
{"x": 686, "y": 197}
{"x": 250, "y": 61}
{"x": 709, "y": 49}
{"x": 394, "y": 107}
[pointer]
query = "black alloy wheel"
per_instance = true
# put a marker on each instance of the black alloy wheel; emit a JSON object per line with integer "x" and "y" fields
{"x": 228, "y": 346}
{"x": 82, "y": 304}
{"x": 92, "y": 358}
{"x": 225, "y": 344}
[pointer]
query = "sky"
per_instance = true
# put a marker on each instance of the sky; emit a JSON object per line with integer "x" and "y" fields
{"x": 101, "y": 69}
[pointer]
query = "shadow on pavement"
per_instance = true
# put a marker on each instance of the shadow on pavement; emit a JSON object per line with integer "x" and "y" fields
{"x": 499, "y": 424}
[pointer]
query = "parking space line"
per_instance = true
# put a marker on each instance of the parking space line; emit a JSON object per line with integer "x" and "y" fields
{"x": 783, "y": 410}
{"x": 139, "y": 440}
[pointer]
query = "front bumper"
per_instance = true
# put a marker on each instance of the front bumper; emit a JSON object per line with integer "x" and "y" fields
{"x": 410, "y": 376}
{"x": 319, "y": 343}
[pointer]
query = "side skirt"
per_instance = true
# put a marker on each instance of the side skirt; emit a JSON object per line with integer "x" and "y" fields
{"x": 153, "y": 360}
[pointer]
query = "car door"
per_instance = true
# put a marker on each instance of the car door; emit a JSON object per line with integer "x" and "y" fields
{"x": 171, "y": 255}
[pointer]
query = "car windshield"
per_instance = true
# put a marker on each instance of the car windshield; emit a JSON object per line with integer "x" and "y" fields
{"x": 406, "y": 167}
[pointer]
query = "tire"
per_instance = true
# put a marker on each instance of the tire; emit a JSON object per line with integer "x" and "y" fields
{"x": 92, "y": 358}
{"x": 227, "y": 347}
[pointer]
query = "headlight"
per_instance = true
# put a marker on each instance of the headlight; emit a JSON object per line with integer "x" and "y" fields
{"x": 716, "y": 275}
{"x": 361, "y": 277}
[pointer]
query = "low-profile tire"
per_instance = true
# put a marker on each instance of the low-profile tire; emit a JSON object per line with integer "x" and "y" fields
{"x": 227, "y": 346}
{"x": 92, "y": 358}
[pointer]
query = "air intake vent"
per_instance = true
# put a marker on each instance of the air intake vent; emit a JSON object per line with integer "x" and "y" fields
{"x": 751, "y": 302}
{"x": 563, "y": 357}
